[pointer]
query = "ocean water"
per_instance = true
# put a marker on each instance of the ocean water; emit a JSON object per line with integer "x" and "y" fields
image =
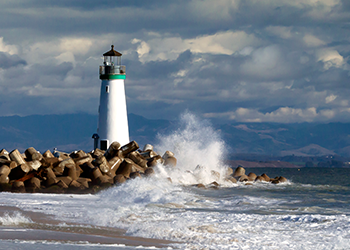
{"x": 310, "y": 211}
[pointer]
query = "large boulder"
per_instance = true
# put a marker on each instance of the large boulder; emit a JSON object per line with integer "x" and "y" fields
{"x": 239, "y": 171}
{"x": 252, "y": 176}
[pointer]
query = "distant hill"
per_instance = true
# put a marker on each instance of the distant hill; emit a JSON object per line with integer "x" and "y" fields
{"x": 68, "y": 132}
{"x": 303, "y": 139}
{"x": 73, "y": 131}
{"x": 309, "y": 150}
{"x": 44, "y": 132}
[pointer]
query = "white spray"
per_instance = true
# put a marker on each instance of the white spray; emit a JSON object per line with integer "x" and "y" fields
{"x": 199, "y": 151}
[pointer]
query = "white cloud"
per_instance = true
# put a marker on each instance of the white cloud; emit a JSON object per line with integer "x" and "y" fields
{"x": 158, "y": 48}
{"x": 65, "y": 57}
{"x": 44, "y": 52}
{"x": 312, "y": 41}
{"x": 11, "y": 49}
{"x": 287, "y": 114}
{"x": 222, "y": 42}
{"x": 328, "y": 113}
{"x": 330, "y": 58}
{"x": 266, "y": 62}
{"x": 180, "y": 73}
{"x": 281, "y": 115}
{"x": 76, "y": 45}
{"x": 330, "y": 98}
{"x": 143, "y": 49}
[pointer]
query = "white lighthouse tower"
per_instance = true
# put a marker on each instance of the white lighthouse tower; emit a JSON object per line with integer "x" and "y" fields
{"x": 113, "y": 119}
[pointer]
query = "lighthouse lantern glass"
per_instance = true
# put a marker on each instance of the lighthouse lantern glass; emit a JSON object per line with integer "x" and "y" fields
{"x": 110, "y": 60}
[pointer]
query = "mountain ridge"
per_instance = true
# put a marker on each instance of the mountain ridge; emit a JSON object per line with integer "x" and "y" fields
{"x": 73, "y": 131}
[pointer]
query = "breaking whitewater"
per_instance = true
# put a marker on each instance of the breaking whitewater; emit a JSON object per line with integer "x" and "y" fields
{"x": 310, "y": 211}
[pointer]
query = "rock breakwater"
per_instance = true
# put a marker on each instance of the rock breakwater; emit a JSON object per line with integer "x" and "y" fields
{"x": 81, "y": 172}
{"x": 239, "y": 175}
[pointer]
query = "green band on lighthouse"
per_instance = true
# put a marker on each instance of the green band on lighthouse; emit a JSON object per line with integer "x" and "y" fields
{"x": 111, "y": 77}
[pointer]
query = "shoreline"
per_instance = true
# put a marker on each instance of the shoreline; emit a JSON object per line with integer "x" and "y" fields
{"x": 262, "y": 164}
{"x": 45, "y": 228}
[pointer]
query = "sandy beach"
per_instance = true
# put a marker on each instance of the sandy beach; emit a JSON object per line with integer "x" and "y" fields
{"x": 44, "y": 228}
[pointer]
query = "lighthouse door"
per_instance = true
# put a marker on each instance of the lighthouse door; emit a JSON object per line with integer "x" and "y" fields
{"x": 104, "y": 144}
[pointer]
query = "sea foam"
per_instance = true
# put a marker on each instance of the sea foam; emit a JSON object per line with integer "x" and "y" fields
{"x": 14, "y": 219}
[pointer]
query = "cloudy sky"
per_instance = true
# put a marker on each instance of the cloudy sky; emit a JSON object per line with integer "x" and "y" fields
{"x": 228, "y": 60}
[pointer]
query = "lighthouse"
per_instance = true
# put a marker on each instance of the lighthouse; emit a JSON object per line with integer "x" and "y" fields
{"x": 113, "y": 119}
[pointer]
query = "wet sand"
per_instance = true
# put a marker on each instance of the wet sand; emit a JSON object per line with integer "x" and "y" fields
{"x": 46, "y": 228}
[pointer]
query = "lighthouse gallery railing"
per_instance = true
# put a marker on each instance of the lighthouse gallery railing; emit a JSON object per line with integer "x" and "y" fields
{"x": 112, "y": 69}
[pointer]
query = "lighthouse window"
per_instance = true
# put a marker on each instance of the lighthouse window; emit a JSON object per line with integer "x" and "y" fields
{"x": 107, "y": 89}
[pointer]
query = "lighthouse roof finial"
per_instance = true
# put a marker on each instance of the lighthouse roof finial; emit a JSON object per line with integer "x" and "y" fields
{"x": 112, "y": 52}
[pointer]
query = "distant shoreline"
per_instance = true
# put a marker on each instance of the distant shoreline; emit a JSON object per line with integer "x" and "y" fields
{"x": 268, "y": 164}
{"x": 261, "y": 164}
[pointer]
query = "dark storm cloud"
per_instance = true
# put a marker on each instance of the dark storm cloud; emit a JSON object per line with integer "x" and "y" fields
{"x": 60, "y": 70}
{"x": 79, "y": 17}
{"x": 8, "y": 61}
{"x": 259, "y": 14}
{"x": 102, "y": 4}
{"x": 188, "y": 18}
